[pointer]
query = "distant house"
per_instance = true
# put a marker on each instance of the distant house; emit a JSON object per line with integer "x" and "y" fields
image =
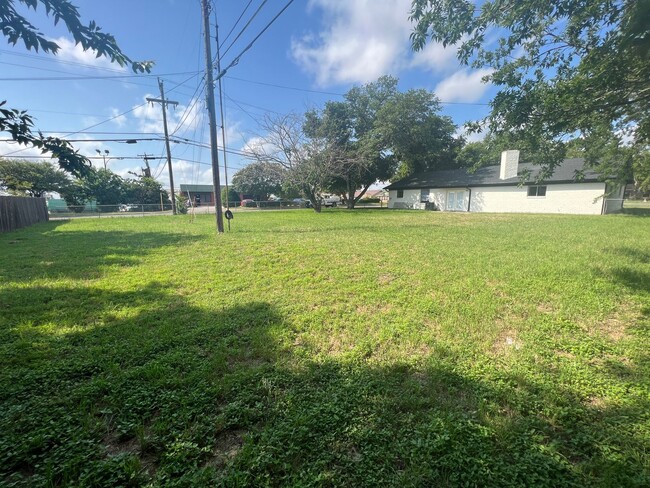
{"x": 203, "y": 194}
{"x": 499, "y": 189}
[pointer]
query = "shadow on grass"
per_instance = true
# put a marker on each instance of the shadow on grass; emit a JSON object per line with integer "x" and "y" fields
{"x": 639, "y": 212}
{"x": 143, "y": 387}
{"x": 42, "y": 253}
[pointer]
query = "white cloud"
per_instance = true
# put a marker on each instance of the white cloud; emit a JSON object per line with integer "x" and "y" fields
{"x": 463, "y": 86}
{"x": 436, "y": 58}
{"x": 69, "y": 51}
{"x": 118, "y": 120}
{"x": 361, "y": 40}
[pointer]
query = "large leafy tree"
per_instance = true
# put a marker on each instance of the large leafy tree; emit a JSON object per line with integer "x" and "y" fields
{"x": 17, "y": 28}
{"x": 564, "y": 67}
{"x": 376, "y": 129}
{"x": 260, "y": 179}
{"x": 102, "y": 185}
{"x": 347, "y": 129}
{"x": 144, "y": 190}
{"x": 418, "y": 137}
{"x": 30, "y": 178}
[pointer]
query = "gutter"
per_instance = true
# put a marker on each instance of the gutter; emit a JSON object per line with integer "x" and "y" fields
{"x": 469, "y": 199}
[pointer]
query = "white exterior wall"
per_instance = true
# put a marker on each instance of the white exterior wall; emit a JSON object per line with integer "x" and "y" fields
{"x": 411, "y": 199}
{"x": 569, "y": 198}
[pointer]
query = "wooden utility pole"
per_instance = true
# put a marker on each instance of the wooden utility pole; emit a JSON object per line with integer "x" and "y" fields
{"x": 164, "y": 104}
{"x": 214, "y": 150}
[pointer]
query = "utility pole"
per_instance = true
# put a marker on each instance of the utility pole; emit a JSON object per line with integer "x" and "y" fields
{"x": 214, "y": 150}
{"x": 164, "y": 104}
{"x": 223, "y": 119}
{"x": 146, "y": 171}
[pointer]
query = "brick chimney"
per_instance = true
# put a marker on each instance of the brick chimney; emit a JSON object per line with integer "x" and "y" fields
{"x": 509, "y": 164}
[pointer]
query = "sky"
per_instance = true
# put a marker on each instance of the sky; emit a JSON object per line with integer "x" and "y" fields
{"x": 314, "y": 52}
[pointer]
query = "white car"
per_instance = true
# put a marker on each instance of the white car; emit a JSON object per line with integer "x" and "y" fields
{"x": 128, "y": 208}
{"x": 331, "y": 200}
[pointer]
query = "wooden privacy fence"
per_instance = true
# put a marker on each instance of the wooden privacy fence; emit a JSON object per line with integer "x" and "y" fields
{"x": 17, "y": 212}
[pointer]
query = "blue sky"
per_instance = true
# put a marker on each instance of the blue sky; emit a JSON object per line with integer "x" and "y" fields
{"x": 314, "y": 51}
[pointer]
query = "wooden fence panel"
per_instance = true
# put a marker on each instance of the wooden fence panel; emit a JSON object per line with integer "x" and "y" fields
{"x": 17, "y": 212}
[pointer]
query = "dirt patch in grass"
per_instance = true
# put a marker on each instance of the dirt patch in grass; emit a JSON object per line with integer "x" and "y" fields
{"x": 116, "y": 446}
{"x": 546, "y": 308}
{"x": 506, "y": 342}
{"x": 616, "y": 324}
{"x": 226, "y": 447}
{"x": 385, "y": 279}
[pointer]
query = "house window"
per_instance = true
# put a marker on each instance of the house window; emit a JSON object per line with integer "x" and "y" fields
{"x": 400, "y": 193}
{"x": 424, "y": 196}
{"x": 536, "y": 191}
{"x": 456, "y": 200}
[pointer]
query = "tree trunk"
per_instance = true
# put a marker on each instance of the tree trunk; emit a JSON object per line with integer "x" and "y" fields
{"x": 315, "y": 201}
{"x": 350, "y": 193}
{"x": 363, "y": 192}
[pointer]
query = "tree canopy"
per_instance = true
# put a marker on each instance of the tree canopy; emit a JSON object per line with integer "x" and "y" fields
{"x": 377, "y": 130}
{"x": 260, "y": 179}
{"x": 564, "y": 67}
{"x": 30, "y": 178}
{"x": 17, "y": 28}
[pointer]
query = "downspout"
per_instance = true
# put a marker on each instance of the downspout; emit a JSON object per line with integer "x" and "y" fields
{"x": 469, "y": 199}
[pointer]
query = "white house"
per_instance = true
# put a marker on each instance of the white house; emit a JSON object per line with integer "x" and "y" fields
{"x": 499, "y": 189}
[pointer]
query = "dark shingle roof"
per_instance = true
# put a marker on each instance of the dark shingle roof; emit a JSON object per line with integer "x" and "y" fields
{"x": 489, "y": 176}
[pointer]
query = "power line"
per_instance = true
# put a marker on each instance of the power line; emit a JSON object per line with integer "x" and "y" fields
{"x": 285, "y": 87}
{"x": 238, "y": 19}
{"x": 264, "y": 110}
{"x": 89, "y": 157}
{"x": 107, "y": 133}
{"x": 86, "y": 77}
{"x": 86, "y": 128}
{"x": 320, "y": 92}
{"x": 243, "y": 29}
{"x": 60, "y": 61}
{"x": 238, "y": 57}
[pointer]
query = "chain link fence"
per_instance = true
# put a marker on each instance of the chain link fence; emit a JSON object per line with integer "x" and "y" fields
{"x": 99, "y": 211}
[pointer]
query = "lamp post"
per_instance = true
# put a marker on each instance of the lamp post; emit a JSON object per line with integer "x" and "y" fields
{"x": 103, "y": 155}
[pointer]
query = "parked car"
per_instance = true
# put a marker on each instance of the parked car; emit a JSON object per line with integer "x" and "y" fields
{"x": 128, "y": 207}
{"x": 331, "y": 200}
{"x": 248, "y": 202}
{"x": 302, "y": 202}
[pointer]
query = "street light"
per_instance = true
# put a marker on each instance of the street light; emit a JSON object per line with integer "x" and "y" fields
{"x": 106, "y": 153}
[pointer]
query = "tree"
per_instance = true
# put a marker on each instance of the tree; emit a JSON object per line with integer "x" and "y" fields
{"x": 347, "y": 130}
{"x": 230, "y": 196}
{"x": 145, "y": 190}
{"x": 565, "y": 67}
{"x": 33, "y": 179}
{"x": 377, "y": 130}
{"x": 260, "y": 179}
{"x": 104, "y": 186}
{"x": 417, "y": 136}
{"x": 308, "y": 163}
{"x": 15, "y": 28}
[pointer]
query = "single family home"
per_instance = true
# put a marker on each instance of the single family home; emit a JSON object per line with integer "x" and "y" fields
{"x": 573, "y": 188}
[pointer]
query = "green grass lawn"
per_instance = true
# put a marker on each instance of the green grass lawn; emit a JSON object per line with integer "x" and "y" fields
{"x": 366, "y": 348}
